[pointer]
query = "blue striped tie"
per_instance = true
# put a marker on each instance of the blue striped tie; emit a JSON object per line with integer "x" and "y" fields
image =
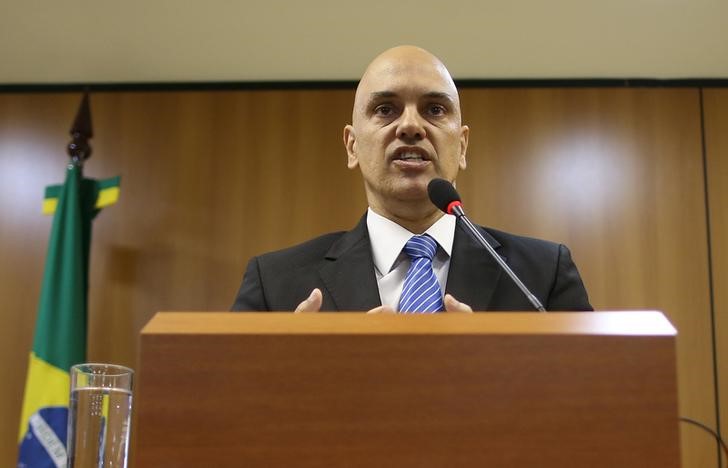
{"x": 421, "y": 291}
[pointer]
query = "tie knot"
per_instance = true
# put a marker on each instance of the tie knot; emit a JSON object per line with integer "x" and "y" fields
{"x": 421, "y": 246}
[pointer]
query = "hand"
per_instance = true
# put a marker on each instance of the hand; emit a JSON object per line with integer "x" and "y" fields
{"x": 383, "y": 309}
{"x": 453, "y": 305}
{"x": 312, "y": 303}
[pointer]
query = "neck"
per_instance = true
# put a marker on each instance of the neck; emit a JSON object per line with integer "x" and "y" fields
{"x": 416, "y": 220}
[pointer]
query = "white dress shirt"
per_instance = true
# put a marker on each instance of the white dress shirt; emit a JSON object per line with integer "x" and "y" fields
{"x": 391, "y": 263}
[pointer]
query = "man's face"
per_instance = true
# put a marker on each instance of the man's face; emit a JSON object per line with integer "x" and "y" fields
{"x": 406, "y": 128}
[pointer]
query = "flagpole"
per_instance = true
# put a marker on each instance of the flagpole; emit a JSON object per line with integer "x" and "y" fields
{"x": 81, "y": 131}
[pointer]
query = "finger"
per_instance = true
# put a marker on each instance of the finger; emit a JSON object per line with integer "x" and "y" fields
{"x": 383, "y": 309}
{"x": 312, "y": 303}
{"x": 453, "y": 305}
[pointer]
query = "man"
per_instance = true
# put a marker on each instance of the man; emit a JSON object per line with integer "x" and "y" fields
{"x": 406, "y": 130}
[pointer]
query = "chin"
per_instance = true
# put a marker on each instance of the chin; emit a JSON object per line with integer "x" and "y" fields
{"x": 411, "y": 190}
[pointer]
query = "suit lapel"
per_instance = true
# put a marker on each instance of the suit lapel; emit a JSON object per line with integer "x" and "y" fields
{"x": 473, "y": 275}
{"x": 348, "y": 271}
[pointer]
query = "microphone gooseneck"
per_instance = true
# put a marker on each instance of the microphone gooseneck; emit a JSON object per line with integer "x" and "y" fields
{"x": 444, "y": 196}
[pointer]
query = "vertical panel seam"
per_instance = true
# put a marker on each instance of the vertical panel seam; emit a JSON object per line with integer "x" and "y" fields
{"x": 711, "y": 285}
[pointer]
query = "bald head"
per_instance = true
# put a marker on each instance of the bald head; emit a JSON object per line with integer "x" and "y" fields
{"x": 394, "y": 67}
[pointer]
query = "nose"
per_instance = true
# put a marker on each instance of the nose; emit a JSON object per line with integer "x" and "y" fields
{"x": 411, "y": 126}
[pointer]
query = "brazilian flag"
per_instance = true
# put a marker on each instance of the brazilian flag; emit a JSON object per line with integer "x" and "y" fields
{"x": 60, "y": 330}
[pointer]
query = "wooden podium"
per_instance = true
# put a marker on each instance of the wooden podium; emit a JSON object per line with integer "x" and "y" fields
{"x": 587, "y": 390}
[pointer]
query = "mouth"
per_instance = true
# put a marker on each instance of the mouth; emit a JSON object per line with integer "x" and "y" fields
{"x": 411, "y": 156}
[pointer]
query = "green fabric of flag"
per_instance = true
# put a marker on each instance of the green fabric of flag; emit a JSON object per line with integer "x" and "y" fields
{"x": 60, "y": 330}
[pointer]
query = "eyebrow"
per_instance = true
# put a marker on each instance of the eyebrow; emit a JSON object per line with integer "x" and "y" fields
{"x": 376, "y": 95}
{"x": 439, "y": 95}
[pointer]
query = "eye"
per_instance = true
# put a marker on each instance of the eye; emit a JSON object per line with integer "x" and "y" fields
{"x": 436, "y": 110}
{"x": 384, "y": 110}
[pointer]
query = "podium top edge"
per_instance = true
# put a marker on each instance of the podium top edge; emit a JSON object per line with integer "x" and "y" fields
{"x": 628, "y": 323}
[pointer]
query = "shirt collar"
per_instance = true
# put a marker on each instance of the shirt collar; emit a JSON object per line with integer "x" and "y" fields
{"x": 388, "y": 238}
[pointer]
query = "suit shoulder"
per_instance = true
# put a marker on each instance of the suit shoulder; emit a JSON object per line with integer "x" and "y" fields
{"x": 522, "y": 243}
{"x": 304, "y": 252}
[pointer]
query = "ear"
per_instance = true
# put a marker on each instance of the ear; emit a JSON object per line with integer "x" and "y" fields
{"x": 464, "y": 133}
{"x": 350, "y": 144}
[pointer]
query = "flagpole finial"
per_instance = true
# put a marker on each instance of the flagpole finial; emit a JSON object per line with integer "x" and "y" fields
{"x": 79, "y": 149}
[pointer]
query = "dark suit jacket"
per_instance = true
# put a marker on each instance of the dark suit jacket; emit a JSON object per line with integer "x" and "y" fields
{"x": 341, "y": 265}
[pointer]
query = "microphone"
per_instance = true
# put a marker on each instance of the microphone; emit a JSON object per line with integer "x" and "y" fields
{"x": 444, "y": 196}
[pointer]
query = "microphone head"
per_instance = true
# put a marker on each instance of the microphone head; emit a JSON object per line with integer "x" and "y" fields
{"x": 443, "y": 195}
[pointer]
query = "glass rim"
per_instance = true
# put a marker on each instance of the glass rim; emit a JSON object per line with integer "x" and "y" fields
{"x": 124, "y": 370}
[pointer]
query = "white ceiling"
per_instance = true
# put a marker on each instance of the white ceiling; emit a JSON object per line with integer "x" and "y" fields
{"x": 102, "y": 41}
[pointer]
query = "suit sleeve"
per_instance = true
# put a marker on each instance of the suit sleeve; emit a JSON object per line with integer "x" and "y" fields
{"x": 568, "y": 291}
{"x": 250, "y": 296}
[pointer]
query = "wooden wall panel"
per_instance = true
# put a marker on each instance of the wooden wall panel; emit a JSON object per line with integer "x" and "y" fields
{"x": 617, "y": 175}
{"x": 716, "y": 151}
{"x": 32, "y": 155}
{"x": 211, "y": 178}
{"x": 208, "y": 180}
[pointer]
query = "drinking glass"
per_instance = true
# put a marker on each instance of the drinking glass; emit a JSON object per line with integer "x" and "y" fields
{"x": 99, "y": 416}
